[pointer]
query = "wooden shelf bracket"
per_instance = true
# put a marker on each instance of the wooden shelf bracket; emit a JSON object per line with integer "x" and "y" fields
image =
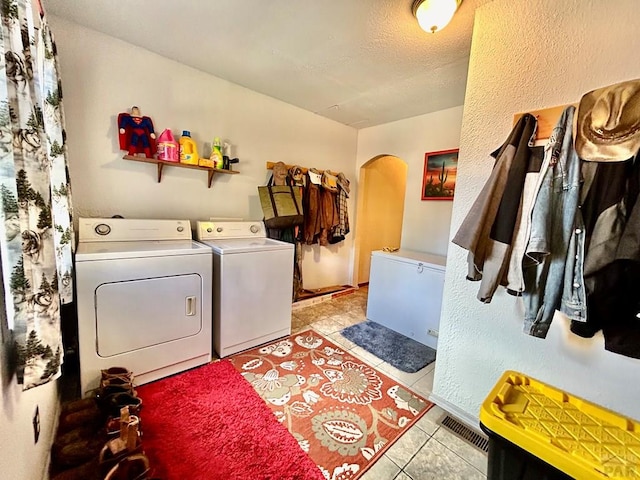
{"x": 161, "y": 163}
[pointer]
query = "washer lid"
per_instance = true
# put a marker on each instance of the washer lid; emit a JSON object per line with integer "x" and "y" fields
{"x": 242, "y": 245}
{"x": 89, "y": 251}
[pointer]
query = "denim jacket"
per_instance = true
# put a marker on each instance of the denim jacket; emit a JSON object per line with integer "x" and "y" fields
{"x": 554, "y": 256}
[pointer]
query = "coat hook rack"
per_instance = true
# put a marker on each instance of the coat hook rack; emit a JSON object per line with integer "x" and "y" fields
{"x": 304, "y": 169}
{"x": 547, "y": 119}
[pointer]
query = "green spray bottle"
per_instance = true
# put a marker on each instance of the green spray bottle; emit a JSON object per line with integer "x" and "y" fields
{"x": 216, "y": 154}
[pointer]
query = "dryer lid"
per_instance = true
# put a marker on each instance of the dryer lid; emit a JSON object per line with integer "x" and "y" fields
{"x": 90, "y": 251}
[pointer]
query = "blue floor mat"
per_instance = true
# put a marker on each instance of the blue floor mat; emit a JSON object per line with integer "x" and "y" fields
{"x": 402, "y": 352}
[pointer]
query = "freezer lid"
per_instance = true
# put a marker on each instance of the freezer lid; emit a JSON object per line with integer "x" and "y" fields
{"x": 413, "y": 257}
{"x": 91, "y": 251}
{"x": 229, "y": 246}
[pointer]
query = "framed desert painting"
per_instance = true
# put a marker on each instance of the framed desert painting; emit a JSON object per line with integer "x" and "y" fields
{"x": 439, "y": 175}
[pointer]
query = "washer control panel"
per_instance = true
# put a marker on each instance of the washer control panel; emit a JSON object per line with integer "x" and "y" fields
{"x": 127, "y": 230}
{"x": 217, "y": 230}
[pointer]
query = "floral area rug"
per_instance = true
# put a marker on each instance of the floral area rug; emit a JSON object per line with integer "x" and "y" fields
{"x": 342, "y": 412}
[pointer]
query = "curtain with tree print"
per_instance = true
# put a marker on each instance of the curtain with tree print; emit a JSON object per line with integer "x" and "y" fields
{"x": 36, "y": 237}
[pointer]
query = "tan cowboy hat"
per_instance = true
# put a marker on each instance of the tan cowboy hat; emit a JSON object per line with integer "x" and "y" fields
{"x": 608, "y": 123}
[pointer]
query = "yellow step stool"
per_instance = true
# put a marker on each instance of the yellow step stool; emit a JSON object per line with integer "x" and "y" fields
{"x": 576, "y": 437}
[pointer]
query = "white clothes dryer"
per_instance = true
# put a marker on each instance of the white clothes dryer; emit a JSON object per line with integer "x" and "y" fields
{"x": 144, "y": 298}
{"x": 252, "y": 285}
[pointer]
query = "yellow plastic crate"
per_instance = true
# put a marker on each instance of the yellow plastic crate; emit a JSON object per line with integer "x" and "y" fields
{"x": 577, "y": 437}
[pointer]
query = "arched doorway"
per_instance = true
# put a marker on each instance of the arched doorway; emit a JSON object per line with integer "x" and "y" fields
{"x": 382, "y": 186}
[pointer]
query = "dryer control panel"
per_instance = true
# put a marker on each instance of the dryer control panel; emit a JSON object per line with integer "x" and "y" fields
{"x": 218, "y": 230}
{"x": 128, "y": 230}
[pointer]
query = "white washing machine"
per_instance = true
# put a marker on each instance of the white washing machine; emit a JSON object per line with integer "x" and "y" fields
{"x": 252, "y": 285}
{"x": 144, "y": 298}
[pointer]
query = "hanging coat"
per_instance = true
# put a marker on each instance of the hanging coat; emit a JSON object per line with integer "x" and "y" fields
{"x": 490, "y": 226}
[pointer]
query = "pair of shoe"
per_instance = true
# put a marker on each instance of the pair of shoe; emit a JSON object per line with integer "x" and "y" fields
{"x": 117, "y": 390}
{"x": 94, "y": 411}
{"x": 126, "y": 443}
{"x": 86, "y": 425}
{"x": 117, "y": 425}
{"x": 112, "y": 398}
{"x": 98, "y": 461}
{"x": 114, "y": 380}
{"x": 116, "y": 376}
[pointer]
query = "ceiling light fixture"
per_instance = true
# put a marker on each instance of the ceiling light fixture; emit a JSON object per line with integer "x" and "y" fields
{"x": 434, "y": 15}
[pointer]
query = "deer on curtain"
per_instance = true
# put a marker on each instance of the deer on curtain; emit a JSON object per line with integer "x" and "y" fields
{"x": 36, "y": 232}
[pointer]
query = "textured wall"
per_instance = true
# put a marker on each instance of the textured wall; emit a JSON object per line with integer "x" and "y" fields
{"x": 425, "y": 224}
{"x": 20, "y": 457}
{"x": 529, "y": 55}
{"x": 102, "y": 76}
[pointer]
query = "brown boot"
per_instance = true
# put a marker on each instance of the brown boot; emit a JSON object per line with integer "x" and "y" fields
{"x": 132, "y": 467}
{"x": 72, "y": 436}
{"x": 116, "y": 449}
{"x": 79, "y": 452}
{"x": 76, "y": 405}
{"x": 87, "y": 417}
{"x": 86, "y": 471}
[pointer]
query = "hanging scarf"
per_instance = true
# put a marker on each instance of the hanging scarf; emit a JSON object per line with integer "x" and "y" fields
{"x": 36, "y": 233}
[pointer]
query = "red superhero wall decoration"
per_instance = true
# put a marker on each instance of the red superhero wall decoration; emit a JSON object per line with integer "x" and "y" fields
{"x": 136, "y": 134}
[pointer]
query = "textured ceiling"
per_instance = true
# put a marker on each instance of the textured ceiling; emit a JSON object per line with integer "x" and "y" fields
{"x": 359, "y": 62}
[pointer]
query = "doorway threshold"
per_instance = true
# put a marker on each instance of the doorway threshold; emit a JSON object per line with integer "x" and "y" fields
{"x": 310, "y": 297}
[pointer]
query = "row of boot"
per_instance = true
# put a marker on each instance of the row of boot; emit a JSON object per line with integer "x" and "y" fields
{"x": 100, "y": 437}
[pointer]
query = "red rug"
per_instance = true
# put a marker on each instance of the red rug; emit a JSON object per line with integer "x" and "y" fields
{"x": 208, "y": 423}
{"x": 343, "y": 412}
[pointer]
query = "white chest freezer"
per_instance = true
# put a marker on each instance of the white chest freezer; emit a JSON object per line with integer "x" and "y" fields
{"x": 405, "y": 293}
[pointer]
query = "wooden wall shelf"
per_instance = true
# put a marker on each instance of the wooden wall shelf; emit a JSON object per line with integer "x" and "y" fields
{"x": 162, "y": 163}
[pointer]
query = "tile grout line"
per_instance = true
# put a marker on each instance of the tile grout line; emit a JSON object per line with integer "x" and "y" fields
{"x": 332, "y": 321}
{"x": 459, "y": 456}
{"x": 429, "y": 437}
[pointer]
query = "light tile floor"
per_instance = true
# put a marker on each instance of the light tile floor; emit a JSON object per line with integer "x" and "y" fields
{"x": 426, "y": 450}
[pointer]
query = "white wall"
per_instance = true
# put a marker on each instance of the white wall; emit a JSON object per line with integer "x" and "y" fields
{"x": 425, "y": 225}
{"x": 529, "y": 55}
{"x": 20, "y": 459}
{"x": 103, "y": 76}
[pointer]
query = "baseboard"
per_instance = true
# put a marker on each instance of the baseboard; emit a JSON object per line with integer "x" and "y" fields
{"x": 346, "y": 290}
{"x": 470, "y": 421}
{"x": 54, "y": 430}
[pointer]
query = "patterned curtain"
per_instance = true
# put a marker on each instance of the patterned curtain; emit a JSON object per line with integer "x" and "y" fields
{"x": 36, "y": 236}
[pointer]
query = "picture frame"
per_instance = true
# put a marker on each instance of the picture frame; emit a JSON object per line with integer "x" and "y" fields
{"x": 439, "y": 175}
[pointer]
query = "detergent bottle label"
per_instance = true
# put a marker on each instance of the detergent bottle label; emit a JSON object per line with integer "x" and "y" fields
{"x": 188, "y": 153}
